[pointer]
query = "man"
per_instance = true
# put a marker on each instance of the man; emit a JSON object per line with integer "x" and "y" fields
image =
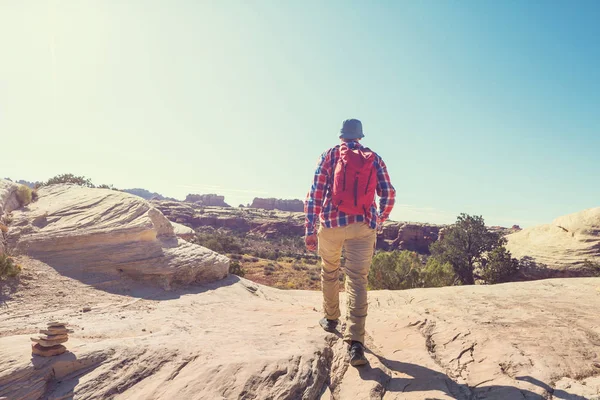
{"x": 343, "y": 197}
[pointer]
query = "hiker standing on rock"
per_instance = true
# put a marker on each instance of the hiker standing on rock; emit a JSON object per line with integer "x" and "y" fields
{"x": 343, "y": 197}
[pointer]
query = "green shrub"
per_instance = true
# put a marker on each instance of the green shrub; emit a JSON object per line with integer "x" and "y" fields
{"x": 74, "y": 180}
{"x": 464, "y": 245}
{"x": 221, "y": 243}
{"x": 8, "y": 268}
{"x": 69, "y": 178}
{"x": 236, "y": 268}
{"x": 594, "y": 267}
{"x": 437, "y": 274}
{"x": 24, "y": 195}
{"x": 498, "y": 266}
{"x": 395, "y": 270}
{"x": 269, "y": 268}
{"x": 406, "y": 270}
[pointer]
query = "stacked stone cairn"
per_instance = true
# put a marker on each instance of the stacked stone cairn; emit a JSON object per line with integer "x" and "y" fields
{"x": 48, "y": 342}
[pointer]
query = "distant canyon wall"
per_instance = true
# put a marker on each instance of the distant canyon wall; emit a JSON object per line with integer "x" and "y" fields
{"x": 293, "y": 205}
{"x": 212, "y": 200}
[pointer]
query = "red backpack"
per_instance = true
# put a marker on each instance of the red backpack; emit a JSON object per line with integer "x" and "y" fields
{"x": 354, "y": 180}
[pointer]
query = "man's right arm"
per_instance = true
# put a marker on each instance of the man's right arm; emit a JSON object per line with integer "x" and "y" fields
{"x": 314, "y": 198}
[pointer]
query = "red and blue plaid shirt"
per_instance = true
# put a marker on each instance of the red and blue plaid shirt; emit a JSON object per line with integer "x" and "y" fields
{"x": 318, "y": 200}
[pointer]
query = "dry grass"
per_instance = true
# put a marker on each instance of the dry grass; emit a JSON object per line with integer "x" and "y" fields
{"x": 285, "y": 273}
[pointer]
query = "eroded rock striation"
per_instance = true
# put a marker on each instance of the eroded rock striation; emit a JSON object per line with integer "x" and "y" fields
{"x": 94, "y": 233}
{"x": 561, "y": 248}
{"x": 531, "y": 340}
{"x": 262, "y": 222}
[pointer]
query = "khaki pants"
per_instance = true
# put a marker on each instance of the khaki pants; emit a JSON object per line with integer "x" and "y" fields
{"x": 358, "y": 240}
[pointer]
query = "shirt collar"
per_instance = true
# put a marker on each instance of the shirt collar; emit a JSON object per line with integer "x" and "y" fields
{"x": 354, "y": 144}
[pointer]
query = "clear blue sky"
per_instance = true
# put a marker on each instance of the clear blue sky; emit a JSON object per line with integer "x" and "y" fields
{"x": 484, "y": 107}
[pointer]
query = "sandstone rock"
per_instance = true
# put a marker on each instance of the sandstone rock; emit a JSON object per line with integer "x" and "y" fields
{"x": 408, "y": 236}
{"x": 207, "y": 200}
{"x": 38, "y": 350}
{"x": 183, "y": 231}
{"x": 8, "y": 203}
{"x": 278, "y": 204}
{"x": 55, "y": 331}
{"x": 57, "y": 325}
{"x": 144, "y": 194}
{"x": 531, "y": 340}
{"x": 561, "y": 248}
{"x": 8, "y": 197}
{"x": 51, "y": 337}
{"x": 96, "y": 234}
{"x": 49, "y": 343}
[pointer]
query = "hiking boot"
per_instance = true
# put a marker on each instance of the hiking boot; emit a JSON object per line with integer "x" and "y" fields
{"x": 357, "y": 354}
{"x": 328, "y": 324}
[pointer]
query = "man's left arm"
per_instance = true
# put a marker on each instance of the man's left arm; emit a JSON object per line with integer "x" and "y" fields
{"x": 385, "y": 191}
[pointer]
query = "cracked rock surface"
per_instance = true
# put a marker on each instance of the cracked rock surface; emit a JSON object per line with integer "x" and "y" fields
{"x": 234, "y": 339}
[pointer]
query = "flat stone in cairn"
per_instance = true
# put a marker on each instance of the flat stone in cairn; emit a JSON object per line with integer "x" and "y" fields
{"x": 38, "y": 350}
{"x": 49, "y": 341}
{"x": 57, "y": 324}
{"x": 55, "y": 331}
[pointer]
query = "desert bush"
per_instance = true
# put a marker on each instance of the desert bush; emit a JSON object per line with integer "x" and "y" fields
{"x": 236, "y": 256}
{"x": 310, "y": 260}
{"x": 24, "y": 195}
{"x": 236, "y": 268}
{"x": 8, "y": 268}
{"x": 74, "y": 180}
{"x": 437, "y": 274}
{"x": 594, "y": 267}
{"x": 269, "y": 267}
{"x": 464, "y": 246}
{"x": 69, "y": 178}
{"x": 3, "y": 228}
{"x": 297, "y": 266}
{"x": 218, "y": 242}
{"x": 314, "y": 276}
{"x": 498, "y": 266}
{"x": 395, "y": 270}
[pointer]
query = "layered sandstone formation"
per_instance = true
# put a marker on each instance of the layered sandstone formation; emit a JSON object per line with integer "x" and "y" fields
{"x": 94, "y": 234}
{"x": 561, "y": 248}
{"x": 213, "y": 200}
{"x": 293, "y": 205}
{"x": 262, "y": 222}
{"x": 235, "y": 339}
{"x": 408, "y": 236}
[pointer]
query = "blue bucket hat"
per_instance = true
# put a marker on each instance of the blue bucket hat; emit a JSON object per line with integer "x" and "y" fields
{"x": 351, "y": 129}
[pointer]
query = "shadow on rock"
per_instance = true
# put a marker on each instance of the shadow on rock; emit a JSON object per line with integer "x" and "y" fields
{"x": 416, "y": 378}
{"x": 132, "y": 288}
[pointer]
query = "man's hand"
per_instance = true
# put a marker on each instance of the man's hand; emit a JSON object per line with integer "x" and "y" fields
{"x": 311, "y": 242}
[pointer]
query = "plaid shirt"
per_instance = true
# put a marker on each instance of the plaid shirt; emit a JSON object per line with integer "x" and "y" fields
{"x": 318, "y": 200}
